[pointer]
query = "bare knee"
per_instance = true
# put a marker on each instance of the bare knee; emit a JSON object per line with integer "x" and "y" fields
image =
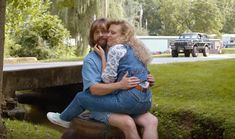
{"x": 154, "y": 121}
{"x": 128, "y": 123}
{"x": 151, "y": 122}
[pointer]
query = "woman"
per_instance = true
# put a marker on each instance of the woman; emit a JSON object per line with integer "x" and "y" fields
{"x": 126, "y": 54}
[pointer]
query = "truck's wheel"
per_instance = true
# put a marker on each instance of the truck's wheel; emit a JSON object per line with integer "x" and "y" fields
{"x": 206, "y": 51}
{"x": 174, "y": 53}
{"x": 187, "y": 53}
{"x": 194, "y": 52}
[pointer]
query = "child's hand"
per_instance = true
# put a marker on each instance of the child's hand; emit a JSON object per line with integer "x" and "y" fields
{"x": 99, "y": 50}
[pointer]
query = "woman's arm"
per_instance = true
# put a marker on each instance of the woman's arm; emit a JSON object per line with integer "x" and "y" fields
{"x": 115, "y": 53}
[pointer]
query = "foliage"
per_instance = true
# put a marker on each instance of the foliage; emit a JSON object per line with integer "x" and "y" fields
{"x": 9, "y": 45}
{"x": 151, "y": 16}
{"x": 32, "y": 31}
{"x": 169, "y": 17}
{"x": 160, "y": 17}
{"x": 197, "y": 102}
{"x": 25, "y": 130}
{"x": 115, "y": 9}
{"x": 78, "y": 15}
{"x": 227, "y": 10}
{"x": 206, "y": 17}
{"x": 174, "y": 16}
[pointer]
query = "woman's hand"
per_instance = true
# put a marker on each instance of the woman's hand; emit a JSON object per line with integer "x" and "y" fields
{"x": 151, "y": 80}
{"x": 128, "y": 82}
{"x": 99, "y": 50}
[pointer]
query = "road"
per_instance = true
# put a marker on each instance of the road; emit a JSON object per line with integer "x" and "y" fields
{"x": 159, "y": 60}
{"x": 11, "y": 67}
{"x": 165, "y": 60}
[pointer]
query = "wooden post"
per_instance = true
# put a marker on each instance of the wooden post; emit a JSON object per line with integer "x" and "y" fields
{"x": 2, "y": 38}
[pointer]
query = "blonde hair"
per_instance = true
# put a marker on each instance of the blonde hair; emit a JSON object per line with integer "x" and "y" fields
{"x": 128, "y": 37}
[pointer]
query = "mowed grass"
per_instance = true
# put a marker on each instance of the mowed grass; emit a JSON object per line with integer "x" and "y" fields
{"x": 25, "y": 130}
{"x": 228, "y": 50}
{"x": 196, "y": 99}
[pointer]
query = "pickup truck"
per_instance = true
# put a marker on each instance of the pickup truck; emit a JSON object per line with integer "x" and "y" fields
{"x": 191, "y": 43}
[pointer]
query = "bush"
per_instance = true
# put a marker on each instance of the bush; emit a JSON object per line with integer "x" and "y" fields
{"x": 10, "y": 46}
{"x": 31, "y": 45}
{"x": 33, "y": 31}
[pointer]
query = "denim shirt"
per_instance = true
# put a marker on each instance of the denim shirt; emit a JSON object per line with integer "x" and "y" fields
{"x": 91, "y": 70}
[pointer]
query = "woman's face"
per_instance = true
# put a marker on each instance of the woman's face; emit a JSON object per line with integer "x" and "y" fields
{"x": 114, "y": 35}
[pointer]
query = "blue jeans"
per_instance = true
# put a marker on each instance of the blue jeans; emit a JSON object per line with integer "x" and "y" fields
{"x": 131, "y": 102}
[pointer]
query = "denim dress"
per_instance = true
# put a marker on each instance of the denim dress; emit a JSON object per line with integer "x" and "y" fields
{"x": 134, "y": 101}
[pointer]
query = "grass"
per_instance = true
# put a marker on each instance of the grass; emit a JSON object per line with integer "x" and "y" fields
{"x": 161, "y": 55}
{"x": 25, "y": 130}
{"x": 191, "y": 100}
{"x": 228, "y": 50}
{"x": 195, "y": 100}
{"x": 64, "y": 59}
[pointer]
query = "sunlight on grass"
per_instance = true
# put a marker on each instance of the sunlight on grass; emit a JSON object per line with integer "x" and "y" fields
{"x": 24, "y": 130}
{"x": 206, "y": 89}
{"x": 228, "y": 50}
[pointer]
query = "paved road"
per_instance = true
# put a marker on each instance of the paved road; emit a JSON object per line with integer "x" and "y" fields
{"x": 165, "y": 60}
{"x": 160, "y": 60}
{"x": 10, "y": 67}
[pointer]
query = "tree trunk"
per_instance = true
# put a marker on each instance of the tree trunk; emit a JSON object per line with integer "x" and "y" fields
{"x": 2, "y": 37}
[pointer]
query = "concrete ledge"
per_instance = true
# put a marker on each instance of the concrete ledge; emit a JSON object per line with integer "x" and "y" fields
{"x": 18, "y": 60}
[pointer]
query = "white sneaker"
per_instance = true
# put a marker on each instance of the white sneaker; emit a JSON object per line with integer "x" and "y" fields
{"x": 55, "y": 119}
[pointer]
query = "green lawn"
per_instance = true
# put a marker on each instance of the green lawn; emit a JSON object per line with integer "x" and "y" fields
{"x": 191, "y": 100}
{"x": 228, "y": 50}
{"x": 25, "y": 130}
{"x": 196, "y": 99}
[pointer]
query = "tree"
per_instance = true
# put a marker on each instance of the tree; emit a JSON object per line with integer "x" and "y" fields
{"x": 77, "y": 15}
{"x": 174, "y": 16}
{"x": 206, "y": 17}
{"x": 181, "y": 16}
{"x": 151, "y": 16}
{"x": 2, "y": 26}
{"x": 228, "y": 13}
{"x": 33, "y": 30}
{"x": 132, "y": 12}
